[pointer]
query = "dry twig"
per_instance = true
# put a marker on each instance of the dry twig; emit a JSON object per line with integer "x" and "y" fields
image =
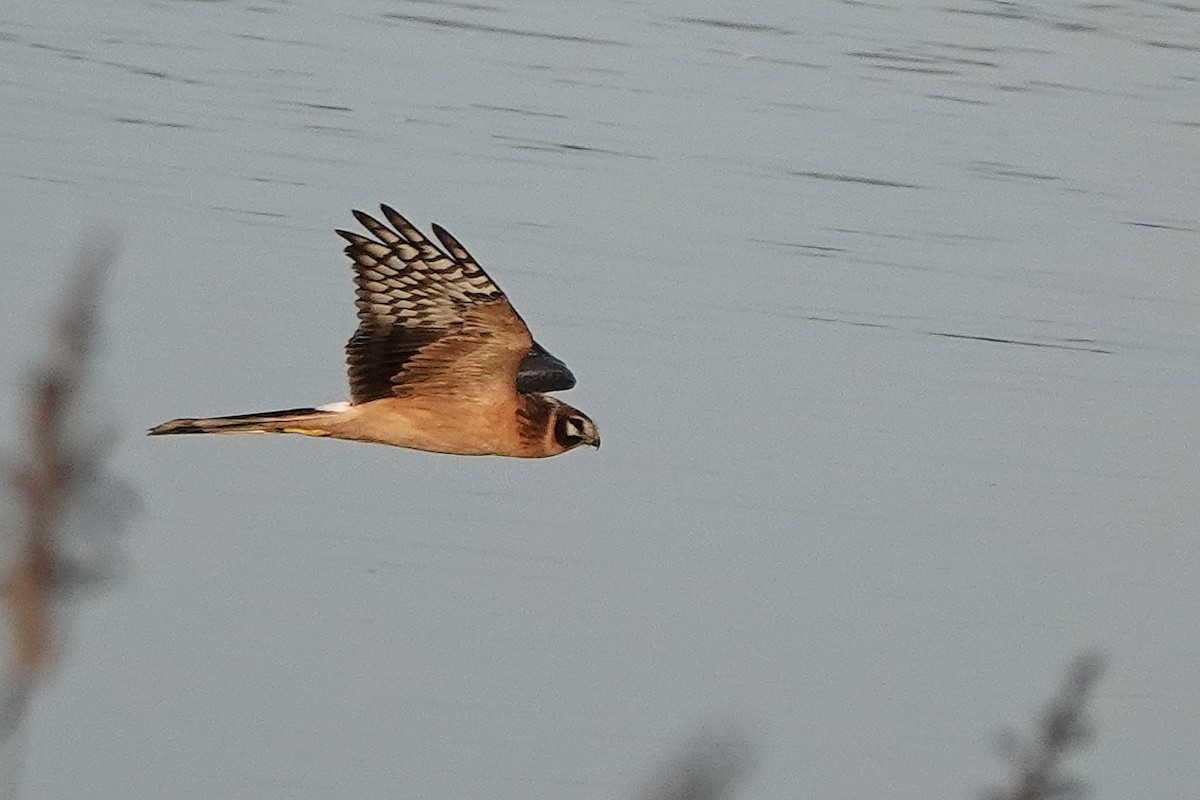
{"x": 1037, "y": 763}
{"x": 706, "y": 770}
{"x": 56, "y": 470}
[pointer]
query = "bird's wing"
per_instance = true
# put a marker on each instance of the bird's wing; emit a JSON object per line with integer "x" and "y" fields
{"x": 430, "y": 322}
{"x": 542, "y": 372}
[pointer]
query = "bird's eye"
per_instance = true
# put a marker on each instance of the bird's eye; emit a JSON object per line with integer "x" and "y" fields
{"x": 569, "y": 431}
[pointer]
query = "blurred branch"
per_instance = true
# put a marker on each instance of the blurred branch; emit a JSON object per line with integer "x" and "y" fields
{"x": 706, "y": 770}
{"x": 1037, "y": 763}
{"x": 57, "y": 468}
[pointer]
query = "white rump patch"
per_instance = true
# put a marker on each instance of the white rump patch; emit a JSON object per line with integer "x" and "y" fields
{"x": 340, "y": 405}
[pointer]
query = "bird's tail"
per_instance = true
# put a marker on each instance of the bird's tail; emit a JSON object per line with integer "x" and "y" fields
{"x": 293, "y": 420}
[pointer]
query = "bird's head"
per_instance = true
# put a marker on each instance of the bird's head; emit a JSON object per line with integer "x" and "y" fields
{"x": 572, "y": 427}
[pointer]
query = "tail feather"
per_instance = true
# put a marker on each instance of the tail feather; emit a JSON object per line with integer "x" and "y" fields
{"x": 288, "y": 421}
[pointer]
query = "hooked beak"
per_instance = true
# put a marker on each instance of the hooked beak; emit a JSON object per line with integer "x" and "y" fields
{"x": 591, "y": 435}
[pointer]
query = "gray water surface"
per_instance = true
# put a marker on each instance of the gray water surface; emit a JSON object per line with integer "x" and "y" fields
{"x": 887, "y": 313}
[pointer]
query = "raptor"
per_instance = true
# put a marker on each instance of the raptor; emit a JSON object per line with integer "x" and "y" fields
{"x": 441, "y": 361}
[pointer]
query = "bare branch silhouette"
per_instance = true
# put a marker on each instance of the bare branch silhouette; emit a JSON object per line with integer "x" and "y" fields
{"x": 706, "y": 770}
{"x": 1037, "y": 762}
{"x": 59, "y": 469}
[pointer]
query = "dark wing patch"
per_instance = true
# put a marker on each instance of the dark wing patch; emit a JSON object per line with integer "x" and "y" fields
{"x": 409, "y": 295}
{"x": 542, "y": 372}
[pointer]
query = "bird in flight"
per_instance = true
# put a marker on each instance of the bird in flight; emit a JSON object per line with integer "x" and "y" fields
{"x": 441, "y": 361}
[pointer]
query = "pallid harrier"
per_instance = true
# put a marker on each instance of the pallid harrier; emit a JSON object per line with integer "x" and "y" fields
{"x": 440, "y": 361}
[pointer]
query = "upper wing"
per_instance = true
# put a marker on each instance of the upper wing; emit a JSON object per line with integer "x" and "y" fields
{"x": 429, "y": 322}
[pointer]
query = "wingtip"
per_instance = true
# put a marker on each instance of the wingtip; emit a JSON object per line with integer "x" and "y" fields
{"x": 444, "y": 236}
{"x": 398, "y": 220}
